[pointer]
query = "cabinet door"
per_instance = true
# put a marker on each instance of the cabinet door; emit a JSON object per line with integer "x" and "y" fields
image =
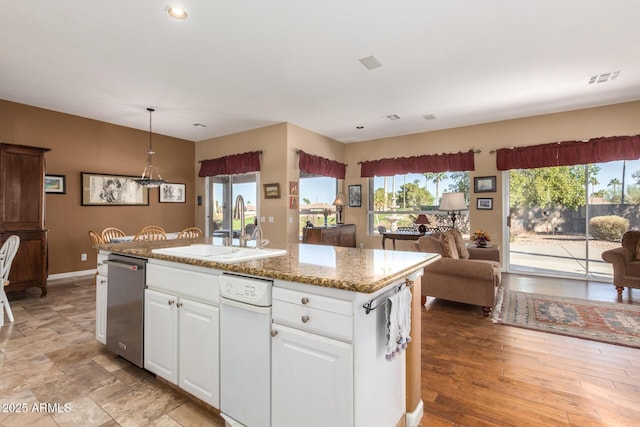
{"x": 198, "y": 350}
{"x": 312, "y": 380}
{"x": 101, "y": 309}
{"x": 161, "y": 334}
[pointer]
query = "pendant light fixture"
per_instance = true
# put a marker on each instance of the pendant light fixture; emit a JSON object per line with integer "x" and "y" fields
{"x": 150, "y": 175}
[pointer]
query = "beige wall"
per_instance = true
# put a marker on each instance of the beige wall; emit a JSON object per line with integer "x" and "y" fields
{"x": 82, "y": 145}
{"x": 619, "y": 119}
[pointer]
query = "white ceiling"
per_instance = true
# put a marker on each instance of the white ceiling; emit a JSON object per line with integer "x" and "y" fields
{"x": 244, "y": 64}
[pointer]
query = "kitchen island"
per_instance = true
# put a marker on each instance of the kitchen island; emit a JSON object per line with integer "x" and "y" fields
{"x": 319, "y": 299}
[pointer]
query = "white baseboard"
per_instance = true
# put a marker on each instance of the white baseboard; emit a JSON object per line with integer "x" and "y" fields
{"x": 71, "y": 274}
{"x": 413, "y": 418}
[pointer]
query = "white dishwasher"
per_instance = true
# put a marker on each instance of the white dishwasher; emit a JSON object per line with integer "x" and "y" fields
{"x": 245, "y": 350}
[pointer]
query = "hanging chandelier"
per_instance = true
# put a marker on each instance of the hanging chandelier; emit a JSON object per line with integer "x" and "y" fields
{"x": 150, "y": 175}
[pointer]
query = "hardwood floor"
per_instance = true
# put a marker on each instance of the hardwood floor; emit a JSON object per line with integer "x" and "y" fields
{"x": 477, "y": 373}
{"x": 474, "y": 372}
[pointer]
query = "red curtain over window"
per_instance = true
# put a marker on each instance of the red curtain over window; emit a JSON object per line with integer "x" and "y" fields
{"x": 229, "y": 165}
{"x": 419, "y": 164}
{"x": 317, "y": 165}
{"x": 567, "y": 153}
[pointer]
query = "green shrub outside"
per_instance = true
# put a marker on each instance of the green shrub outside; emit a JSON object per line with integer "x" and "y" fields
{"x": 610, "y": 227}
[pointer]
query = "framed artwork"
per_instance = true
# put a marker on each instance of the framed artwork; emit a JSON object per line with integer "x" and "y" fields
{"x": 293, "y": 188}
{"x": 272, "y": 191}
{"x": 112, "y": 190}
{"x": 293, "y": 202}
{"x": 355, "y": 196}
{"x": 173, "y": 193}
{"x": 55, "y": 184}
{"x": 484, "y": 184}
{"x": 484, "y": 203}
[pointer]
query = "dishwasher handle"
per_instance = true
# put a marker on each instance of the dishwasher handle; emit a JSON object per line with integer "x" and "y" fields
{"x": 125, "y": 265}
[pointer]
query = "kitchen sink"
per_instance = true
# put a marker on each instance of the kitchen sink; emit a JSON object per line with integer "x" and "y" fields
{"x": 226, "y": 254}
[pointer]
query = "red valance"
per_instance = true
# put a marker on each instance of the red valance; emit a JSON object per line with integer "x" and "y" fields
{"x": 317, "y": 165}
{"x": 567, "y": 153}
{"x": 229, "y": 165}
{"x": 419, "y": 164}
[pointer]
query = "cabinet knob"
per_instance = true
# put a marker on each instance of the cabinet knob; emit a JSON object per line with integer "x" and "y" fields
{"x": 179, "y": 304}
{"x": 305, "y": 300}
{"x": 305, "y": 319}
{"x": 171, "y": 302}
{"x": 274, "y": 332}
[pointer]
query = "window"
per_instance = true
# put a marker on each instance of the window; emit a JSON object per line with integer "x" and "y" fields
{"x": 396, "y": 201}
{"x": 317, "y": 194}
{"x": 223, "y": 191}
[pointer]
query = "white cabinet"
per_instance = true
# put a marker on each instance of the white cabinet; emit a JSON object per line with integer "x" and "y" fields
{"x": 181, "y": 336}
{"x": 312, "y": 371}
{"x": 312, "y": 380}
{"x": 101, "y": 298}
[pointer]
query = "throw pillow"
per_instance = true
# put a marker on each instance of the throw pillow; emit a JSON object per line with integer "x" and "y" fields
{"x": 463, "y": 253}
{"x": 448, "y": 246}
{"x": 638, "y": 250}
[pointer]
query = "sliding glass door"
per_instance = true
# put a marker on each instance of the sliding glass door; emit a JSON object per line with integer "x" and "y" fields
{"x": 562, "y": 218}
{"x": 223, "y": 192}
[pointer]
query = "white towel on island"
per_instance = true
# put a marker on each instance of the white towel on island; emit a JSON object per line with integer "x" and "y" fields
{"x": 398, "y": 311}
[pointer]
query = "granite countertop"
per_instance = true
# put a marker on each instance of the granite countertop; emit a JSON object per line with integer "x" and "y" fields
{"x": 351, "y": 269}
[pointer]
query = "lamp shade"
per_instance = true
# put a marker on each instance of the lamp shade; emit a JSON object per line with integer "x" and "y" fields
{"x": 453, "y": 202}
{"x": 339, "y": 201}
{"x": 422, "y": 219}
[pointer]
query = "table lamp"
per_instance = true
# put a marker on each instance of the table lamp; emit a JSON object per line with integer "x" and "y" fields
{"x": 339, "y": 203}
{"x": 422, "y": 222}
{"x": 453, "y": 203}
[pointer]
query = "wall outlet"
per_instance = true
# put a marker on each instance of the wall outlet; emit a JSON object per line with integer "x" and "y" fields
{"x": 270, "y": 219}
{"x": 83, "y": 257}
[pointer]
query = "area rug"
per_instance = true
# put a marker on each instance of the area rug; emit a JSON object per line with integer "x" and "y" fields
{"x": 614, "y": 323}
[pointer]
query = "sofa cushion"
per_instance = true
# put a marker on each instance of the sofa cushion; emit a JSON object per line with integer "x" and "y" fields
{"x": 637, "y": 251}
{"x": 463, "y": 253}
{"x": 448, "y": 246}
{"x": 633, "y": 269}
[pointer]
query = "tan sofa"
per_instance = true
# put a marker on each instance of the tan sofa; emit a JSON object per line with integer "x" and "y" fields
{"x": 472, "y": 281}
{"x": 625, "y": 261}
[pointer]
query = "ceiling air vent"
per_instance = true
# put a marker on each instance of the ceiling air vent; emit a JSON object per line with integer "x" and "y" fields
{"x": 604, "y": 77}
{"x": 370, "y": 62}
{"x": 429, "y": 117}
{"x": 392, "y": 117}
{"x": 199, "y": 125}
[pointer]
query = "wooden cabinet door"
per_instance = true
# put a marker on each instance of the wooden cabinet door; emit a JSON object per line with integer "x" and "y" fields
{"x": 312, "y": 380}
{"x": 21, "y": 187}
{"x": 199, "y": 361}
{"x": 161, "y": 334}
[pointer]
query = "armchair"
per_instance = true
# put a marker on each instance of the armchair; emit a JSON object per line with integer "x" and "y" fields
{"x": 473, "y": 280}
{"x": 625, "y": 261}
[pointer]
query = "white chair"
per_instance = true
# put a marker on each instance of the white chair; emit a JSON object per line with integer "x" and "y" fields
{"x": 7, "y": 253}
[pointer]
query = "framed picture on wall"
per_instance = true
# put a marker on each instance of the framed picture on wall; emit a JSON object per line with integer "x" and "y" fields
{"x": 112, "y": 190}
{"x": 173, "y": 193}
{"x": 484, "y": 184}
{"x": 55, "y": 184}
{"x": 355, "y": 196}
{"x": 272, "y": 191}
{"x": 484, "y": 203}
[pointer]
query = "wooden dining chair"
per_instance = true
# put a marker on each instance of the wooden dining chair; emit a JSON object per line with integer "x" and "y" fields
{"x": 95, "y": 238}
{"x": 189, "y": 233}
{"x": 110, "y": 233}
{"x": 151, "y": 232}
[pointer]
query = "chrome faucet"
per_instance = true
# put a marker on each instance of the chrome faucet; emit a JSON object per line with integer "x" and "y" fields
{"x": 257, "y": 236}
{"x": 238, "y": 213}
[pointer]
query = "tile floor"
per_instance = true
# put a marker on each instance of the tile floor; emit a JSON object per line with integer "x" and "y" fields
{"x": 54, "y": 373}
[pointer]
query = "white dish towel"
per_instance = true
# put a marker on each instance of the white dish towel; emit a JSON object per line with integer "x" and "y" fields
{"x": 398, "y": 311}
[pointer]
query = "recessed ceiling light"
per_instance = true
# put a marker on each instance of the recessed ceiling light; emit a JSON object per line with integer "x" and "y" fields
{"x": 176, "y": 12}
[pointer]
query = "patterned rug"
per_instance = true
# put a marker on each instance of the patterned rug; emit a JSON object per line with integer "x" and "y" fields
{"x": 614, "y": 323}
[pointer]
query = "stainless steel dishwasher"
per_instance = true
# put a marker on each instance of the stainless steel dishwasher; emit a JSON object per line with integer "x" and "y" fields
{"x": 125, "y": 307}
{"x": 245, "y": 350}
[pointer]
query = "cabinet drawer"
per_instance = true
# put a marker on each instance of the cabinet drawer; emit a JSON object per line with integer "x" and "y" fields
{"x": 102, "y": 266}
{"x": 313, "y": 320}
{"x": 196, "y": 285}
{"x": 311, "y": 300}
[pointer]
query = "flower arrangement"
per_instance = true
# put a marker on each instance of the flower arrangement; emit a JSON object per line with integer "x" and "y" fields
{"x": 481, "y": 238}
